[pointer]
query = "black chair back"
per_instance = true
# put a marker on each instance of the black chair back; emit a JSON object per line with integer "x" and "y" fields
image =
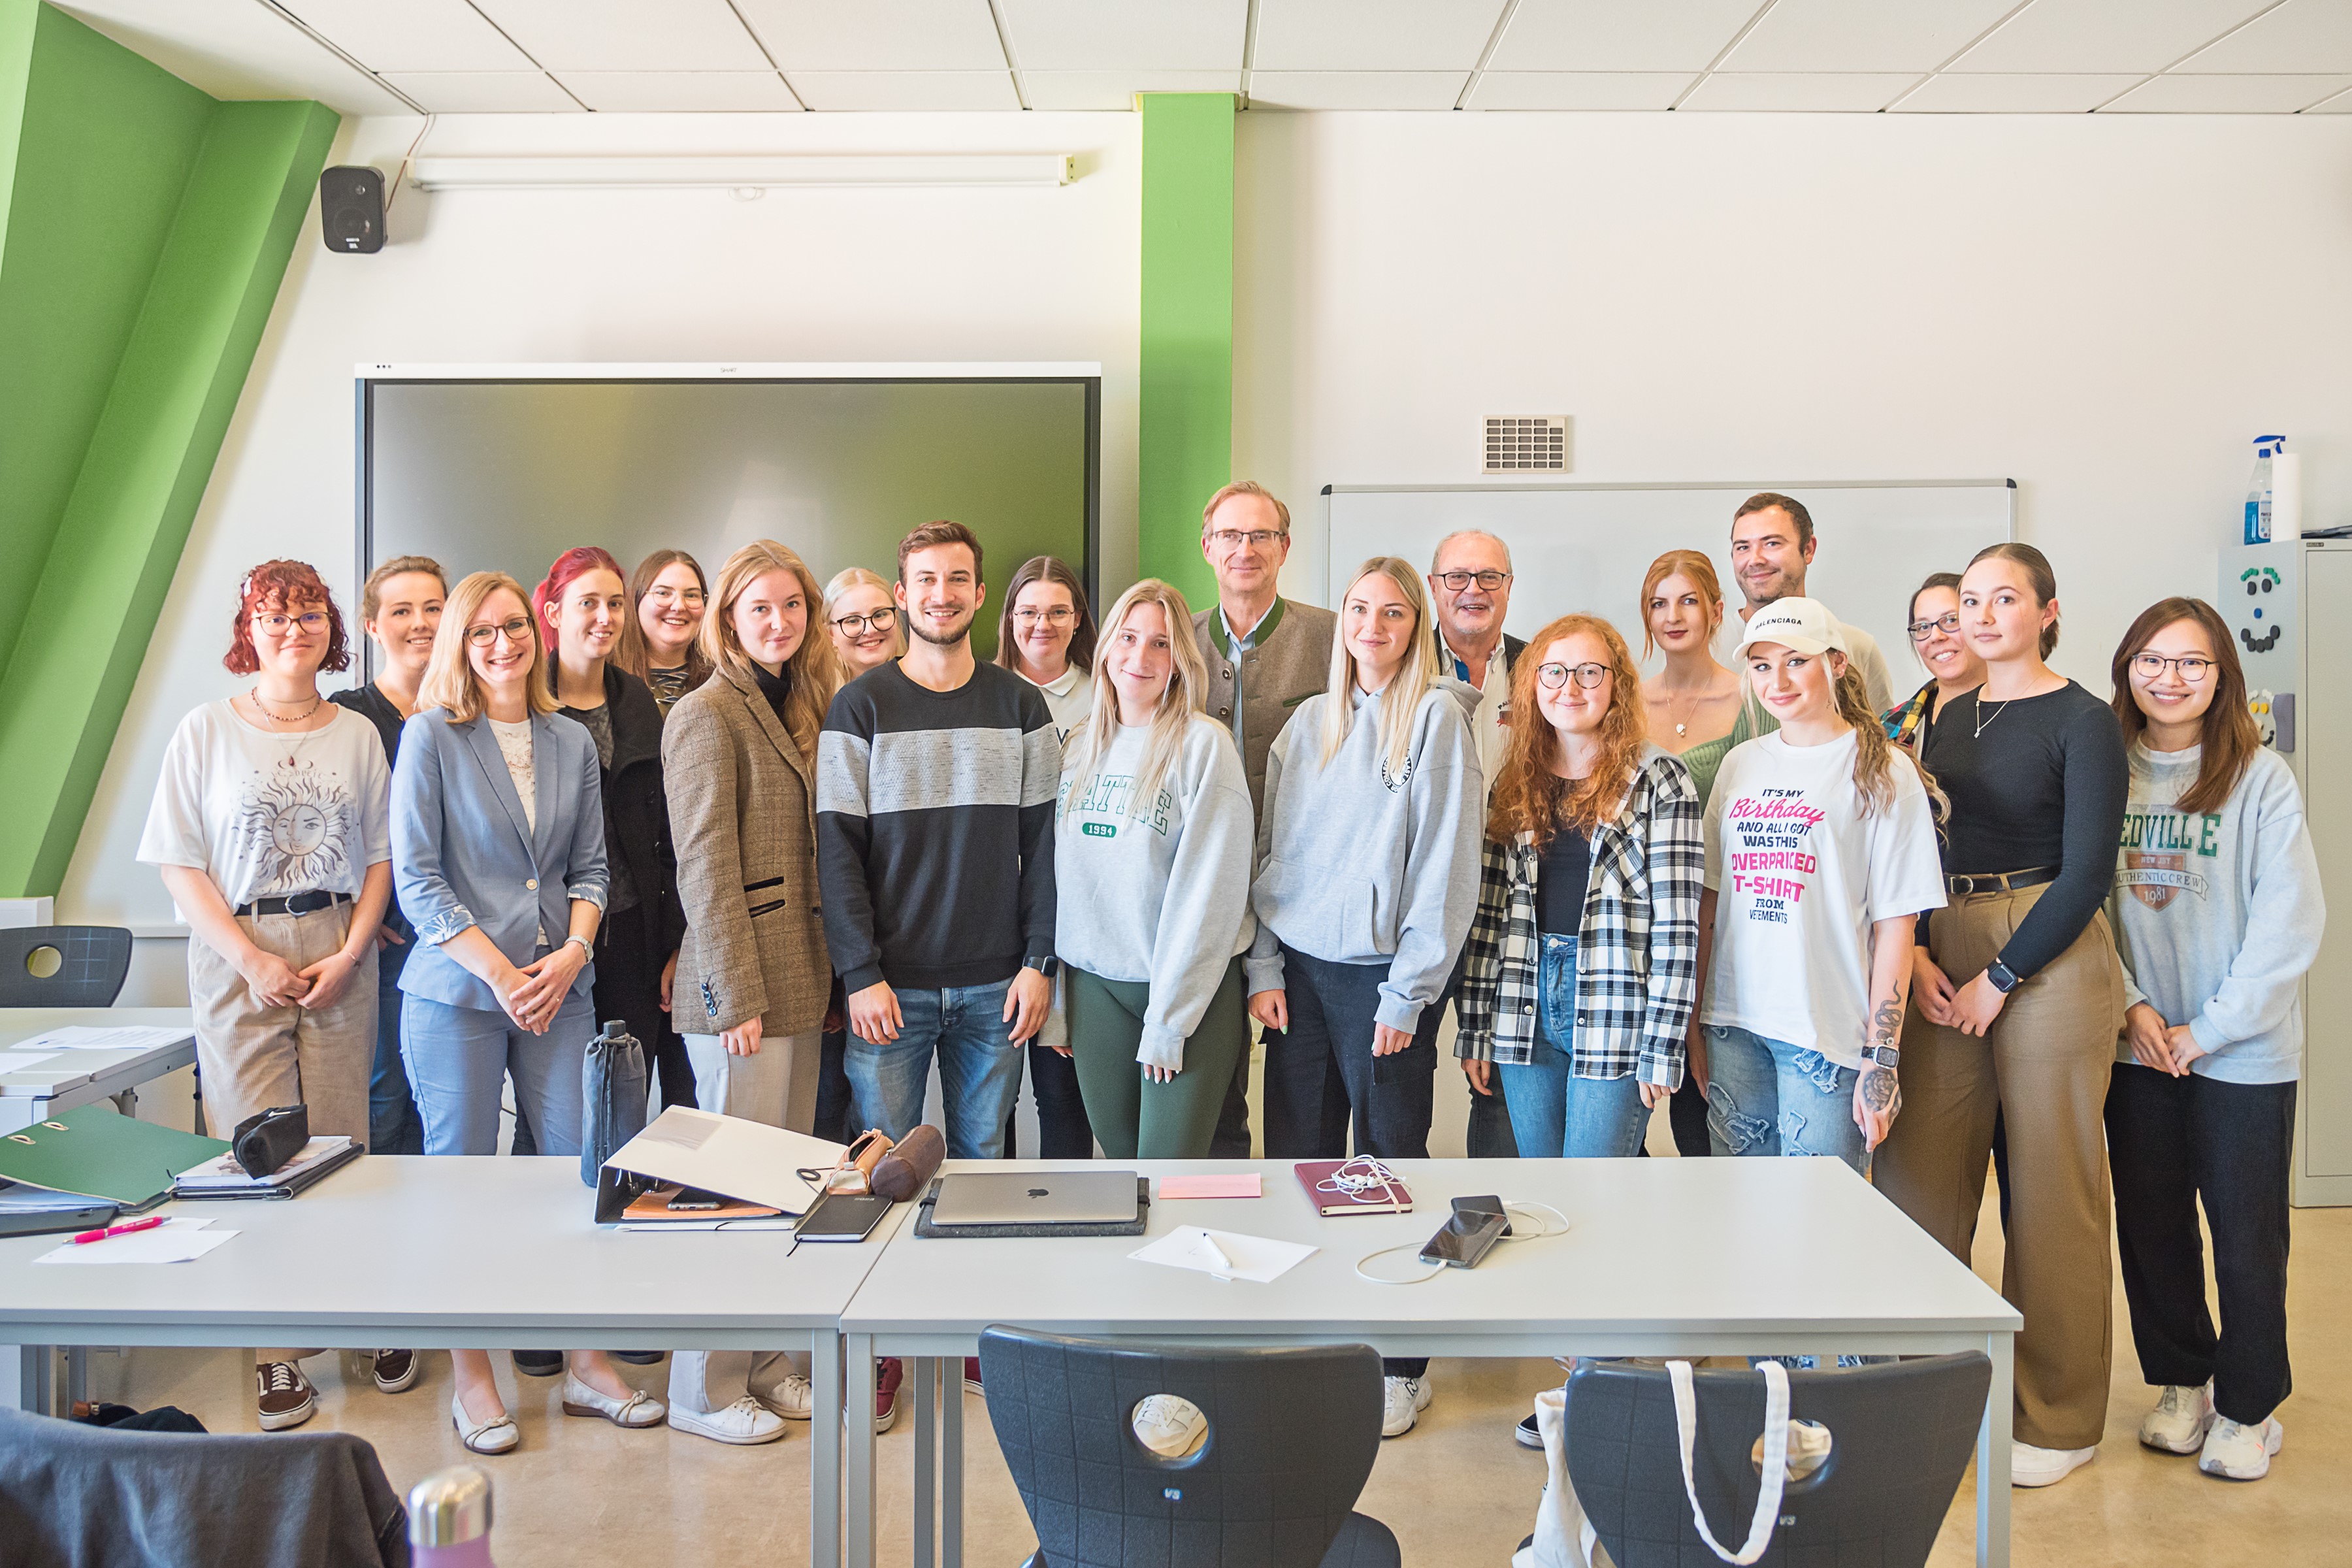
{"x": 1900, "y": 1433}
{"x": 1292, "y": 1437}
{"x": 63, "y": 966}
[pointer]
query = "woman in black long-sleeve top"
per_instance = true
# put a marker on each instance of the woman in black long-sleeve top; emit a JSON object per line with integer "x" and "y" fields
{"x": 2019, "y": 996}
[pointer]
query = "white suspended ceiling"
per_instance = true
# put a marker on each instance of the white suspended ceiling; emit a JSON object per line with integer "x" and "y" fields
{"x": 2054, "y": 57}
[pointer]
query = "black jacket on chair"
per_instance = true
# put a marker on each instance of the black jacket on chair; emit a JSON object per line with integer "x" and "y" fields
{"x": 636, "y": 822}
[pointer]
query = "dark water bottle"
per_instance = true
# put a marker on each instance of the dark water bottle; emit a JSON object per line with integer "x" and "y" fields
{"x": 612, "y": 1095}
{"x": 449, "y": 1519}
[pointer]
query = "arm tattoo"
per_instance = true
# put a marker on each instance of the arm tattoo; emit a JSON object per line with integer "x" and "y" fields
{"x": 1880, "y": 1092}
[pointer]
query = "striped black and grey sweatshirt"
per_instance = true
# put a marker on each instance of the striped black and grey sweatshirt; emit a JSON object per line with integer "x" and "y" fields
{"x": 935, "y": 829}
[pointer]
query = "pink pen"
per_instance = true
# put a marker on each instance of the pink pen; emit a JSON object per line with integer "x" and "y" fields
{"x": 149, "y": 1223}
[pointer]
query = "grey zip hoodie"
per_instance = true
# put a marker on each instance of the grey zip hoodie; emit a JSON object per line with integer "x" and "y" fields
{"x": 1157, "y": 893}
{"x": 1357, "y": 866}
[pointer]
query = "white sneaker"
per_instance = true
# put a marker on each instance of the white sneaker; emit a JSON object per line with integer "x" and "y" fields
{"x": 1170, "y": 1426}
{"x": 1402, "y": 1400}
{"x": 2032, "y": 1467}
{"x": 790, "y": 1396}
{"x": 745, "y": 1422}
{"x": 2177, "y": 1423}
{"x": 2237, "y": 1452}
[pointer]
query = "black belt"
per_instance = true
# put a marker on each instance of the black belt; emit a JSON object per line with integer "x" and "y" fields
{"x": 2001, "y": 882}
{"x": 294, "y": 904}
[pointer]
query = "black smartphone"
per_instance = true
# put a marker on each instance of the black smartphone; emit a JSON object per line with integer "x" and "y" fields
{"x": 696, "y": 1198}
{"x": 1467, "y": 1239}
{"x": 842, "y": 1216}
{"x": 1469, "y": 1210}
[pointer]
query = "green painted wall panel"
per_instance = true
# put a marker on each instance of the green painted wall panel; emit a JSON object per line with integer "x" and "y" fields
{"x": 1185, "y": 440}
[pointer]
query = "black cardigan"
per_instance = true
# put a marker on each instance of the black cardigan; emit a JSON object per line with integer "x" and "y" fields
{"x": 637, "y": 823}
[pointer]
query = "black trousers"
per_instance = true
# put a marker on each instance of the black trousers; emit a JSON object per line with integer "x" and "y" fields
{"x": 628, "y": 988}
{"x": 2170, "y": 1143}
{"x": 1232, "y": 1139}
{"x": 835, "y": 1108}
{"x": 1062, "y": 1131}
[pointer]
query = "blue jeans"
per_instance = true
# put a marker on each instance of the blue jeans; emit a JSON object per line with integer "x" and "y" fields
{"x": 1553, "y": 1111}
{"x": 393, "y": 1124}
{"x": 979, "y": 1069}
{"x": 1765, "y": 1097}
{"x": 458, "y": 1059}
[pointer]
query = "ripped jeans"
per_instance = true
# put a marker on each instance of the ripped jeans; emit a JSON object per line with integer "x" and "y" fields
{"x": 1764, "y": 1097}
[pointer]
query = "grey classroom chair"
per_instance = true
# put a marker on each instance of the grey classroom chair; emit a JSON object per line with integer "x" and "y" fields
{"x": 1900, "y": 1436}
{"x": 1292, "y": 1437}
{"x": 90, "y": 964}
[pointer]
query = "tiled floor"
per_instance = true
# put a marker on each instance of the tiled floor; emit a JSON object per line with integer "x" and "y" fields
{"x": 1456, "y": 1490}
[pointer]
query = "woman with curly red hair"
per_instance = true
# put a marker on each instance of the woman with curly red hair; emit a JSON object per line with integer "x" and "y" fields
{"x": 270, "y": 825}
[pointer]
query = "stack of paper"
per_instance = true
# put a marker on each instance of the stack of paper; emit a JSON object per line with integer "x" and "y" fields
{"x": 110, "y": 1038}
{"x": 223, "y": 1177}
{"x": 176, "y": 1240}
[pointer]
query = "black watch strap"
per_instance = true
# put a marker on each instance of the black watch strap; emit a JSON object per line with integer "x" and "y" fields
{"x": 2004, "y": 978}
{"x": 1047, "y": 966}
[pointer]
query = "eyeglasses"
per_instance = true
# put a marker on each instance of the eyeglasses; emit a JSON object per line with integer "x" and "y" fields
{"x": 1456, "y": 582}
{"x": 1555, "y": 676}
{"x": 663, "y": 596}
{"x": 1256, "y": 537}
{"x": 2150, "y": 667}
{"x": 515, "y": 630}
{"x": 1948, "y": 623}
{"x": 311, "y": 621}
{"x": 1059, "y": 615}
{"x": 881, "y": 620}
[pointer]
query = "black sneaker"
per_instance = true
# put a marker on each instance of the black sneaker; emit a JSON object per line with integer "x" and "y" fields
{"x": 1528, "y": 1434}
{"x": 395, "y": 1370}
{"x": 283, "y": 1396}
{"x": 639, "y": 1358}
{"x": 539, "y": 1363}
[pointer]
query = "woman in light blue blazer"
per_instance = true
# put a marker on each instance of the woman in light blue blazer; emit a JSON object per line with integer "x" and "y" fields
{"x": 497, "y": 846}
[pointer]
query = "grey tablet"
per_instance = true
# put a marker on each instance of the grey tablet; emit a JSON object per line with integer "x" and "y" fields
{"x": 1035, "y": 1197}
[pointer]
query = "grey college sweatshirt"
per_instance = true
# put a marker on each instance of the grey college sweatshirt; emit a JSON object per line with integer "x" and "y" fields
{"x": 1356, "y": 866}
{"x": 2217, "y": 916}
{"x": 1157, "y": 893}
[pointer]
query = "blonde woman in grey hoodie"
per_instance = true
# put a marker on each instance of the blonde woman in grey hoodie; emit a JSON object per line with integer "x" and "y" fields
{"x": 1151, "y": 862}
{"x": 1367, "y": 880}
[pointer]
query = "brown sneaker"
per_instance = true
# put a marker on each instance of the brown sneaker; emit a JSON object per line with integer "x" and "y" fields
{"x": 395, "y": 1369}
{"x": 284, "y": 1395}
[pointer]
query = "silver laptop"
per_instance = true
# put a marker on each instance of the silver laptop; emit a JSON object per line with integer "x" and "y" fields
{"x": 1035, "y": 1197}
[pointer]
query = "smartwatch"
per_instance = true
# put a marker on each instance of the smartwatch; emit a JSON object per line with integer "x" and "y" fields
{"x": 1887, "y": 1056}
{"x": 2004, "y": 978}
{"x": 1047, "y": 966}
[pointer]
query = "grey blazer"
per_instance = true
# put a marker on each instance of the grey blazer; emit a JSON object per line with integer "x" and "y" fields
{"x": 463, "y": 854}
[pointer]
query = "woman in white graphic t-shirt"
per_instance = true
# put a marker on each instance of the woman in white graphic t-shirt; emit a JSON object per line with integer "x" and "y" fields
{"x": 1820, "y": 852}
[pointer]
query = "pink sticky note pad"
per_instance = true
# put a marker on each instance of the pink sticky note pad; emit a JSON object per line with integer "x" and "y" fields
{"x": 1237, "y": 1186}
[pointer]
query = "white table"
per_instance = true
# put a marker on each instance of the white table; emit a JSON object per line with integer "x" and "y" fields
{"x": 79, "y": 1078}
{"x": 1662, "y": 1258}
{"x": 487, "y": 1253}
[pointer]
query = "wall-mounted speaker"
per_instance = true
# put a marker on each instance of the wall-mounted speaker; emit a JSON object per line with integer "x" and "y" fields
{"x": 350, "y": 209}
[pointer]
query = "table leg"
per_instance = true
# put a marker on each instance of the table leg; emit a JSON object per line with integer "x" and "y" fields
{"x": 25, "y": 1373}
{"x": 926, "y": 1405}
{"x": 951, "y": 1465}
{"x": 77, "y": 1377}
{"x": 825, "y": 1457}
{"x": 1993, "y": 1455}
{"x": 857, "y": 1470}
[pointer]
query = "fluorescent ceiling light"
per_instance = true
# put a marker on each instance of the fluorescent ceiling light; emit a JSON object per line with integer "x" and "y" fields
{"x": 740, "y": 172}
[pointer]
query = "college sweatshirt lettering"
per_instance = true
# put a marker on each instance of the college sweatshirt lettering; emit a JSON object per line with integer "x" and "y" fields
{"x": 1356, "y": 864}
{"x": 2217, "y": 916}
{"x": 935, "y": 829}
{"x": 1157, "y": 892}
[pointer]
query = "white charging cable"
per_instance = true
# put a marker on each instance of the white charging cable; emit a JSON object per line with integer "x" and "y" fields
{"x": 1545, "y": 1231}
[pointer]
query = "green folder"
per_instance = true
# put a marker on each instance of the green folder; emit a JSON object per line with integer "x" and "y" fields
{"x": 96, "y": 1151}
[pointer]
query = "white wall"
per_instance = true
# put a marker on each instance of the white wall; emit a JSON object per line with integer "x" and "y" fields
{"x": 841, "y": 275}
{"x": 2106, "y": 309}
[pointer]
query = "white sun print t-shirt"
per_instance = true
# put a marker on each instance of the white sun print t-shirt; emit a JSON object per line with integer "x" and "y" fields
{"x": 1800, "y": 876}
{"x": 266, "y": 815}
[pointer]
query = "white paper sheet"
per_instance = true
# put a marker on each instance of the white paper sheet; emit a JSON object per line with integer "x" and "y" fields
{"x": 1257, "y": 1258}
{"x": 746, "y": 1160}
{"x": 111, "y": 1037}
{"x": 174, "y": 1241}
{"x": 26, "y": 1062}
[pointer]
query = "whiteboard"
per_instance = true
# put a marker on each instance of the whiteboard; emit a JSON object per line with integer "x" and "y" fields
{"x": 1584, "y": 547}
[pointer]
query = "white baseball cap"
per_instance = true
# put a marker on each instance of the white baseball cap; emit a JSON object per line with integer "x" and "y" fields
{"x": 1805, "y": 626}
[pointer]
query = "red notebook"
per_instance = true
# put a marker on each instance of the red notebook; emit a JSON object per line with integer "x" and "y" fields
{"x": 1328, "y": 1198}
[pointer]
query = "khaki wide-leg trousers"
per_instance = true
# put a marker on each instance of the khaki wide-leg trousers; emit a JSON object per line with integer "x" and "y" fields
{"x": 254, "y": 1055}
{"x": 2043, "y": 1069}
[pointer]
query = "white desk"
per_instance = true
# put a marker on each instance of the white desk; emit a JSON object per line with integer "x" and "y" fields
{"x": 491, "y": 1253}
{"x": 1662, "y": 1258}
{"x": 79, "y": 1078}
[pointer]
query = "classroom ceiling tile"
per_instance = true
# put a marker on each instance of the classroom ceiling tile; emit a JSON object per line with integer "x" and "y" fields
{"x": 905, "y": 89}
{"x": 1579, "y": 90}
{"x": 1848, "y": 36}
{"x": 2299, "y": 36}
{"x": 1117, "y": 89}
{"x": 1356, "y": 90}
{"x": 236, "y": 50}
{"x": 877, "y": 35}
{"x": 628, "y": 34}
{"x": 485, "y": 92}
{"x": 2101, "y": 35}
{"x": 414, "y": 36}
{"x": 2340, "y": 104}
{"x": 1611, "y": 36}
{"x": 1137, "y": 35}
{"x": 1845, "y": 91}
{"x": 1987, "y": 93}
{"x": 2178, "y": 94}
{"x": 1314, "y": 37}
{"x": 680, "y": 92}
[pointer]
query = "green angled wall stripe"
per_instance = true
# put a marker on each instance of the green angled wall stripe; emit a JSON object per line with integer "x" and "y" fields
{"x": 1184, "y": 447}
{"x": 144, "y": 230}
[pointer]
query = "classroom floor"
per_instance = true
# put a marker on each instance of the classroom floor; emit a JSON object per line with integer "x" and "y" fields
{"x": 1456, "y": 1490}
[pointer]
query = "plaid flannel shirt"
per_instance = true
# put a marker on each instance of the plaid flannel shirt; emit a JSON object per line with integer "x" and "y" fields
{"x": 1637, "y": 948}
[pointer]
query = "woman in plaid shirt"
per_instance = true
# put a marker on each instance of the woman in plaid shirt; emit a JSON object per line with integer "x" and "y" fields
{"x": 1582, "y": 960}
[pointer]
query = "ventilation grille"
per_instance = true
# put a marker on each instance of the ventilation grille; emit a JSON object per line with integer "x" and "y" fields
{"x": 1537, "y": 445}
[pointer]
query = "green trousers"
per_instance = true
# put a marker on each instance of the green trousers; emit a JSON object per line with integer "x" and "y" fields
{"x": 1133, "y": 1118}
